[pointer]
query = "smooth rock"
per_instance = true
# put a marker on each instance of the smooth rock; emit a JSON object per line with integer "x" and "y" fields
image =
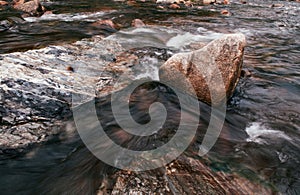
{"x": 137, "y": 23}
{"x": 168, "y": 1}
{"x": 206, "y": 2}
{"x": 3, "y": 3}
{"x": 174, "y": 6}
{"x": 225, "y": 12}
{"x": 200, "y": 68}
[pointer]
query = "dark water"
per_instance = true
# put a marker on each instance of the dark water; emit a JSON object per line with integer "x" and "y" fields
{"x": 261, "y": 135}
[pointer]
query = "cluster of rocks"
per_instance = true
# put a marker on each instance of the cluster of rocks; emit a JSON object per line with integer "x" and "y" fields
{"x": 175, "y": 4}
{"x": 185, "y": 175}
{"x": 28, "y": 7}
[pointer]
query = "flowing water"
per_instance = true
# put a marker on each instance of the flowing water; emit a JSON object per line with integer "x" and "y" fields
{"x": 261, "y": 135}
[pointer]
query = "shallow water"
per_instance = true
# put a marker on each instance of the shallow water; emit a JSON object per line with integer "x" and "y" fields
{"x": 261, "y": 135}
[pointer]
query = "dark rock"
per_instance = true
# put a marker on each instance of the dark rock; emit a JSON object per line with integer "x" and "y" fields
{"x": 5, "y": 25}
{"x": 199, "y": 67}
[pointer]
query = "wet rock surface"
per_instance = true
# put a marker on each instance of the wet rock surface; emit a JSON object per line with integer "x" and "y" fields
{"x": 185, "y": 175}
{"x": 202, "y": 69}
{"x": 37, "y": 86}
{"x": 36, "y": 99}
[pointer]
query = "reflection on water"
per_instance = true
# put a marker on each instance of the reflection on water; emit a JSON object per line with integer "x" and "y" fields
{"x": 261, "y": 133}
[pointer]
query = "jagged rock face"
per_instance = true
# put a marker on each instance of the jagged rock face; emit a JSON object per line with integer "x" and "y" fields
{"x": 199, "y": 71}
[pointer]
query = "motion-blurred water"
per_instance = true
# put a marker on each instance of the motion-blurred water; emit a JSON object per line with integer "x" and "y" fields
{"x": 261, "y": 134}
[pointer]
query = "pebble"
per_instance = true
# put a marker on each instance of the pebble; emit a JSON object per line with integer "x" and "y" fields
{"x": 174, "y": 6}
{"x": 226, "y": 2}
{"x": 109, "y": 23}
{"x": 225, "y": 12}
{"x": 245, "y": 73}
{"x": 277, "y": 5}
{"x": 137, "y": 23}
{"x": 48, "y": 13}
{"x": 206, "y": 2}
{"x": 3, "y": 3}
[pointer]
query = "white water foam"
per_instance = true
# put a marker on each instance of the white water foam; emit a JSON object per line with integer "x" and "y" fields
{"x": 184, "y": 39}
{"x": 258, "y": 133}
{"x": 157, "y": 36}
{"x": 149, "y": 68}
{"x": 85, "y": 16}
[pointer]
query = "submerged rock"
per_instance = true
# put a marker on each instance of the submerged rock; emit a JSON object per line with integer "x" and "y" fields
{"x": 199, "y": 68}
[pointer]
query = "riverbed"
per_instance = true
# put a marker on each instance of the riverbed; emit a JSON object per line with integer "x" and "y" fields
{"x": 261, "y": 139}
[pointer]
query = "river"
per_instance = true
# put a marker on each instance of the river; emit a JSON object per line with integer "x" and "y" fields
{"x": 262, "y": 126}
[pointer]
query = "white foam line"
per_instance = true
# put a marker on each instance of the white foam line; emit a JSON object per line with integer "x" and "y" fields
{"x": 84, "y": 16}
{"x": 258, "y": 133}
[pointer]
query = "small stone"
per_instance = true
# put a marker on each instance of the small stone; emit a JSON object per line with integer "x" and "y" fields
{"x": 3, "y": 3}
{"x": 109, "y": 23}
{"x": 138, "y": 180}
{"x": 174, "y": 6}
{"x": 206, "y": 2}
{"x": 137, "y": 23}
{"x": 246, "y": 73}
{"x": 225, "y": 12}
{"x": 48, "y": 13}
{"x": 277, "y": 5}
{"x": 168, "y": 1}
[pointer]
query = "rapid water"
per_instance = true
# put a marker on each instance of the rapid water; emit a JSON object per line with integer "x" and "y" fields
{"x": 261, "y": 135}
